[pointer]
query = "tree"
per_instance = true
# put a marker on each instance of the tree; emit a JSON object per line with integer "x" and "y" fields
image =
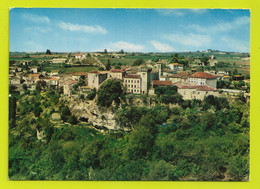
{"x": 161, "y": 171}
{"x": 105, "y": 51}
{"x": 117, "y": 67}
{"x": 81, "y": 81}
{"x": 40, "y": 85}
{"x": 108, "y": 65}
{"x": 37, "y": 111}
{"x": 109, "y": 92}
{"x": 48, "y": 52}
{"x": 92, "y": 95}
{"x": 140, "y": 143}
{"x": 204, "y": 60}
{"x": 65, "y": 114}
{"x": 24, "y": 87}
{"x": 235, "y": 72}
{"x": 75, "y": 87}
{"x": 72, "y": 120}
{"x": 121, "y": 51}
{"x": 138, "y": 62}
{"x": 185, "y": 63}
{"x": 27, "y": 56}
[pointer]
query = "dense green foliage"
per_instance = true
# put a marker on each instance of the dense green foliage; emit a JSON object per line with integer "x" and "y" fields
{"x": 138, "y": 62}
{"x": 109, "y": 92}
{"x": 195, "y": 140}
{"x": 168, "y": 94}
{"x": 92, "y": 95}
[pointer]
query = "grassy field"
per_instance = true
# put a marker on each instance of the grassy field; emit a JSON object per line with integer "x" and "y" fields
{"x": 80, "y": 69}
{"x": 69, "y": 69}
{"x": 234, "y": 59}
{"x": 129, "y": 60}
{"x": 34, "y": 56}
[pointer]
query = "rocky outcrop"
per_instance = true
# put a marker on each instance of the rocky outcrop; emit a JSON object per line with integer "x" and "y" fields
{"x": 88, "y": 111}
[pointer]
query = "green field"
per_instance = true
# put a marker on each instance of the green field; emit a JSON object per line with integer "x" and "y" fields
{"x": 69, "y": 69}
{"x": 80, "y": 69}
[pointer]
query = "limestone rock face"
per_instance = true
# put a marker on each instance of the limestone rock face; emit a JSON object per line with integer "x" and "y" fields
{"x": 89, "y": 111}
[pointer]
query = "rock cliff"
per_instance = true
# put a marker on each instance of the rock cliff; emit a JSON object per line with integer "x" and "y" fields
{"x": 88, "y": 111}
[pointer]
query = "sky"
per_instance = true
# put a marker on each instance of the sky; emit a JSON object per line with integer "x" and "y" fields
{"x": 133, "y": 30}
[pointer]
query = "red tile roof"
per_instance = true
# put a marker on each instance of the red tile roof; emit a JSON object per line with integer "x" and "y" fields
{"x": 79, "y": 73}
{"x": 54, "y": 79}
{"x": 35, "y": 75}
{"x": 203, "y": 75}
{"x": 117, "y": 70}
{"x": 197, "y": 87}
{"x": 44, "y": 78}
{"x": 176, "y": 64}
{"x": 167, "y": 70}
{"x": 132, "y": 76}
{"x": 180, "y": 75}
{"x": 71, "y": 82}
{"x": 162, "y": 83}
{"x": 95, "y": 72}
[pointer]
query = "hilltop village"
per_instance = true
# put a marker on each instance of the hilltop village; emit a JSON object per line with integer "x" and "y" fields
{"x": 141, "y": 78}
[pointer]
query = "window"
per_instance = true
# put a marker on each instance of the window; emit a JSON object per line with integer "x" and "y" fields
{"x": 134, "y": 86}
{"x": 137, "y": 81}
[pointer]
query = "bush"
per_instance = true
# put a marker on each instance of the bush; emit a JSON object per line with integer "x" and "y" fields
{"x": 65, "y": 114}
{"x": 138, "y": 62}
{"x": 92, "y": 95}
{"x": 72, "y": 120}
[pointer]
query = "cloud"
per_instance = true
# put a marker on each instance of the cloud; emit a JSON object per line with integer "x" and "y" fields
{"x": 190, "y": 39}
{"x": 199, "y": 11}
{"x": 180, "y": 12}
{"x": 126, "y": 46}
{"x": 236, "y": 45}
{"x": 223, "y": 26}
{"x": 37, "y": 29}
{"x": 162, "y": 47}
{"x": 36, "y": 18}
{"x": 83, "y": 28}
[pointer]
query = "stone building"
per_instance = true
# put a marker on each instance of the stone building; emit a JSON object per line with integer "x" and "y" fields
{"x": 59, "y": 60}
{"x": 202, "y": 78}
{"x": 145, "y": 74}
{"x": 133, "y": 83}
{"x": 117, "y": 74}
{"x": 95, "y": 78}
{"x": 180, "y": 77}
{"x": 196, "y": 91}
{"x": 176, "y": 67}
